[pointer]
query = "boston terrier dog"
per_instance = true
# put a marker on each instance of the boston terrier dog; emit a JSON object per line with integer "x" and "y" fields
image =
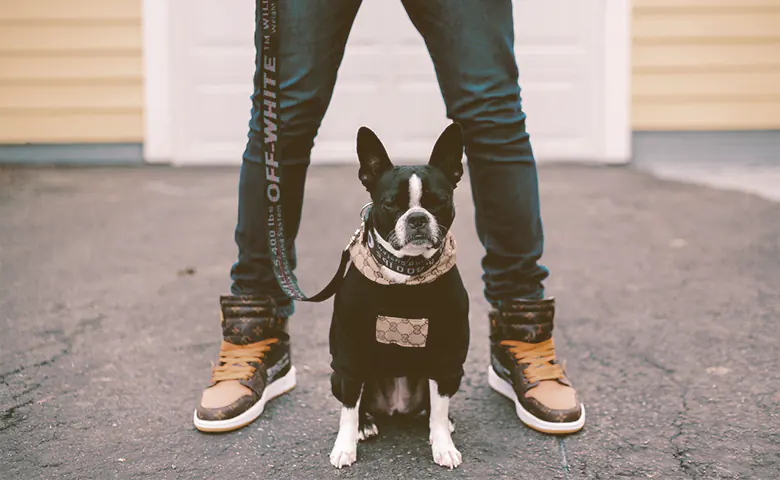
{"x": 400, "y": 331}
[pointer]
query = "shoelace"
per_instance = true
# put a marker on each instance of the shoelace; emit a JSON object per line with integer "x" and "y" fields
{"x": 234, "y": 364}
{"x": 539, "y": 357}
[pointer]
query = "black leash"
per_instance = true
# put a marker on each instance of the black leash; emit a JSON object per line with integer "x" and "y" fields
{"x": 277, "y": 244}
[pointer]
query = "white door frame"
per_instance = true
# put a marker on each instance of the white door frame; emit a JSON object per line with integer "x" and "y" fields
{"x": 617, "y": 83}
{"x": 615, "y": 76}
{"x": 158, "y": 115}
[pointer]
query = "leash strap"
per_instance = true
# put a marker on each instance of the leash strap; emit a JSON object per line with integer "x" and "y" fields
{"x": 271, "y": 127}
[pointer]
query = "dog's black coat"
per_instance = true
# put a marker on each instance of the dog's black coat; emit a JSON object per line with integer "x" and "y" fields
{"x": 357, "y": 355}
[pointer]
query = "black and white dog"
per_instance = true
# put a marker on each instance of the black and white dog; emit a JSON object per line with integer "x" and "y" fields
{"x": 400, "y": 331}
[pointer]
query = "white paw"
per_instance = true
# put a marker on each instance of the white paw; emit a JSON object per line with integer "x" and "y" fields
{"x": 367, "y": 431}
{"x": 445, "y": 453}
{"x": 451, "y": 426}
{"x": 343, "y": 454}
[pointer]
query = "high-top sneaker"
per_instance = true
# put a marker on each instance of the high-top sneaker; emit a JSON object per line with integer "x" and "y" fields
{"x": 525, "y": 370}
{"x": 254, "y": 364}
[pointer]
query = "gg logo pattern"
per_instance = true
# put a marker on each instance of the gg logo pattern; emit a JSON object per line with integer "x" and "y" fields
{"x": 406, "y": 332}
{"x": 367, "y": 265}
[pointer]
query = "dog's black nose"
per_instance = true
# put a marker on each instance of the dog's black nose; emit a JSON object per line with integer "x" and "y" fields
{"x": 417, "y": 220}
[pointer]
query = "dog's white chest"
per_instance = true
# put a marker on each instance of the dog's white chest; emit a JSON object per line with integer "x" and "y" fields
{"x": 399, "y": 399}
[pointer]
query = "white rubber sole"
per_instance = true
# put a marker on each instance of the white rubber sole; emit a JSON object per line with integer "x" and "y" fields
{"x": 505, "y": 388}
{"x": 279, "y": 387}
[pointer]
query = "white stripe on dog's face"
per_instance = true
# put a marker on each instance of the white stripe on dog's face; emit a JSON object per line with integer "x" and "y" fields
{"x": 415, "y": 191}
{"x": 399, "y": 246}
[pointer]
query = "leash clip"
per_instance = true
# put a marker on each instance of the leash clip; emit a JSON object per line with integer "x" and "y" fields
{"x": 364, "y": 211}
{"x": 363, "y": 218}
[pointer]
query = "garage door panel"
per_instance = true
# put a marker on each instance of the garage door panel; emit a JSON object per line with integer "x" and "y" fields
{"x": 540, "y": 66}
{"x": 555, "y": 114}
{"x": 546, "y": 67}
{"x": 231, "y": 66}
{"x": 377, "y": 21}
{"x": 387, "y": 81}
{"x": 398, "y": 68}
{"x": 364, "y": 64}
{"x": 421, "y": 113}
{"x": 224, "y": 106}
{"x": 352, "y": 97}
{"x": 541, "y": 23}
{"x": 232, "y": 107}
{"x": 234, "y": 21}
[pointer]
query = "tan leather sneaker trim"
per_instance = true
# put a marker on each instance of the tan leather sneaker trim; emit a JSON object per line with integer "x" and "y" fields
{"x": 223, "y": 394}
{"x": 535, "y": 408}
{"x": 553, "y": 395}
{"x": 228, "y": 411}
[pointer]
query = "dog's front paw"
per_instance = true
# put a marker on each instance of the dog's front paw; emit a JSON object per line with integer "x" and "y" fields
{"x": 343, "y": 454}
{"x": 367, "y": 430}
{"x": 445, "y": 453}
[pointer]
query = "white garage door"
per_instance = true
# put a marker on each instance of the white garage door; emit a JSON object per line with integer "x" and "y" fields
{"x": 570, "y": 53}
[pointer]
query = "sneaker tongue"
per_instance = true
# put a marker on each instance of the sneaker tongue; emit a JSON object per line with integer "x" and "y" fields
{"x": 226, "y": 346}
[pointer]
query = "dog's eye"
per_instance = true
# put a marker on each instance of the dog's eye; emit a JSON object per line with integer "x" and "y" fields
{"x": 387, "y": 204}
{"x": 439, "y": 202}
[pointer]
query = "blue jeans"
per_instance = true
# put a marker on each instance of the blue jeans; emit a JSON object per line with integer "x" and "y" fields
{"x": 471, "y": 44}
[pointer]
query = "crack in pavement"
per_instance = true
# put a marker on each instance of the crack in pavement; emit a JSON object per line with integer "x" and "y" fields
{"x": 8, "y": 413}
{"x": 67, "y": 340}
{"x": 8, "y": 417}
{"x": 564, "y": 460}
{"x": 43, "y": 363}
{"x": 655, "y": 364}
{"x": 680, "y": 453}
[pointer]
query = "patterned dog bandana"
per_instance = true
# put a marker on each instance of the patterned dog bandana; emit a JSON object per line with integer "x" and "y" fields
{"x": 404, "y": 265}
{"x": 364, "y": 261}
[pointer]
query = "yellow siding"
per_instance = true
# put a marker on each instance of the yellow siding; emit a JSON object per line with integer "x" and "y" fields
{"x": 706, "y": 64}
{"x": 71, "y": 71}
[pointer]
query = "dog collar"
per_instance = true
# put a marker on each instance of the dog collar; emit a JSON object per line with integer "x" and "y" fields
{"x": 406, "y": 265}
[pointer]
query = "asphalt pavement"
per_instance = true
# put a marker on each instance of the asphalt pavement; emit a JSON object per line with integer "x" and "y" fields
{"x": 668, "y": 306}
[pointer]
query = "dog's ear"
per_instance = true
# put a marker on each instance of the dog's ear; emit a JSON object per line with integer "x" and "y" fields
{"x": 447, "y": 154}
{"x": 373, "y": 158}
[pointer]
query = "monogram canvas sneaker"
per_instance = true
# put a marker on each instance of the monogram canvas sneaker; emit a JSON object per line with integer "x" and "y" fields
{"x": 524, "y": 367}
{"x": 254, "y": 365}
